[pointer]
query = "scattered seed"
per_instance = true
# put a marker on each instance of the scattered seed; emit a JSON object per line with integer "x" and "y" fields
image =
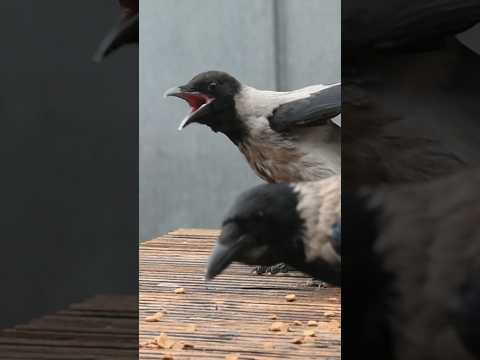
{"x": 179, "y": 291}
{"x": 232, "y": 357}
{"x": 273, "y": 317}
{"x": 269, "y": 345}
{"x": 291, "y": 297}
{"x": 312, "y": 323}
{"x": 167, "y": 357}
{"x": 309, "y": 333}
{"x": 297, "y": 340}
{"x": 182, "y": 346}
{"x": 297, "y": 323}
{"x": 329, "y": 313}
{"x": 191, "y": 328}
{"x": 164, "y": 342}
{"x": 279, "y": 326}
{"x": 155, "y": 317}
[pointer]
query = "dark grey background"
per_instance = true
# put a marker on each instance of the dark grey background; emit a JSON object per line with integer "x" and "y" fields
{"x": 69, "y": 158}
{"x": 190, "y": 178}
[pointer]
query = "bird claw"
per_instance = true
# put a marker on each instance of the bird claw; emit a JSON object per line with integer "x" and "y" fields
{"x": 317, "y": 283}
{"x": 275, "y": 269}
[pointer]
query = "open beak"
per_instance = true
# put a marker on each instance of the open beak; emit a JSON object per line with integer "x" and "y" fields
{"x": 123, "y": 33}
{"x": 199, "y": 104}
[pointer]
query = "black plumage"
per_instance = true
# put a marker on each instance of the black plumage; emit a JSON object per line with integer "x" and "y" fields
{"x": 411, "y": 259}
{"x": 410, "y": 91}
{"x": 296, "y": 224}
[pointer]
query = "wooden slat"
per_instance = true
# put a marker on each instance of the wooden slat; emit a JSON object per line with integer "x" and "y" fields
{"x": 231, "y": 313}
{"x": 104, "y": 327}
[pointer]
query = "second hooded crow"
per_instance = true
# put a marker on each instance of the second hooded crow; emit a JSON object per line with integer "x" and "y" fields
{"x": 298, "y": 224}
{"x": 287, "y": 136}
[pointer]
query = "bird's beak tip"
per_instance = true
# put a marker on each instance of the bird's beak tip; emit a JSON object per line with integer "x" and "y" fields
{"x": 172, "y": 92}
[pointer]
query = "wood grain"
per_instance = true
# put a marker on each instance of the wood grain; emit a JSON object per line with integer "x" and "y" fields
{"x": 232, "y": 313}
{"x": 229, "y": 315}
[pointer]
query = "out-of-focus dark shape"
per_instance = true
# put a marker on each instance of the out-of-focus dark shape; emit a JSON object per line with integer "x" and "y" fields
{"x": 123, "y": 33}
{"x": 410, "y": 95}
{"x": 404, "y": 26}
{"x": 297, "y": 224}
{"x": 414, "y": 261}
{"x": 411, "y": 121}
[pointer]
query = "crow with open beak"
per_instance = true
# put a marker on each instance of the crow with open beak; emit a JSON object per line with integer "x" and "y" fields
{"x": 298, "y": 224}
{"x": 123, "y": 33}
{"x": 287, "y": 136}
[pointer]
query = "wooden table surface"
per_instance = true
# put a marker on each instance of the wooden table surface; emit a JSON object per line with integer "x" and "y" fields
{"x": 103, "y": 327}
{"x": 232, "y": 314}
{"x": 227, "y": 318}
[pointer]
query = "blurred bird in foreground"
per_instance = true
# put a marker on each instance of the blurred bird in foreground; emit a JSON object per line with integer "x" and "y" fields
{"x": 124, "y": 32}
{"x": 411, "y": 265}
{"x": 297, "y": 224}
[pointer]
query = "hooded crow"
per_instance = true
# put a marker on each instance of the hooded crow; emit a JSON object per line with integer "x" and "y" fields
{"x": 123, "y": 33}
{"x": 411, "y": 270}
{"x": 298, "y": 224}
{"x": 287, "y": 136}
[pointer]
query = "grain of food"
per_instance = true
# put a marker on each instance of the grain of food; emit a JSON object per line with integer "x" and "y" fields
{"x": 312, "y": 323}
{"x": 297, "y": 323}
{"x": 279, "y": 326}
{"x": 232, "y": 357}
{"x": 155, "y": 317}
{"x": 182, "y": 346}
{"x": 291, "y": 297}
{"x": 191, "y": 328}
{"x": 329, "y": 313}
{"x": 298, "y": 340}
{"x": 273, "y": 317}
{"x": 179, "y": 291}
{"x": 167, "y": 357}
{"x": 310, "y": 333}
{"x": 269, "y": 345}
{"x": 164, "y": 342}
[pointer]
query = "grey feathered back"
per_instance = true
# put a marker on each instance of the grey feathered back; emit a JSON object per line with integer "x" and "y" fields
{"x": 320, "y": 207}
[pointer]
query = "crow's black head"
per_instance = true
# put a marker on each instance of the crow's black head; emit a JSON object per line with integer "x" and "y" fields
{"x": 211, "y": 98}
{"x": 262, "y": 228}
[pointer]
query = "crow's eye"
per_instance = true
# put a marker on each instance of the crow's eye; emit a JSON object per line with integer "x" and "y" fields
{"x": 212, "y": 86}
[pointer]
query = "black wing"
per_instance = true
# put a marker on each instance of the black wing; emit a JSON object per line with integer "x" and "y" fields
{"x": 317, "y": 109}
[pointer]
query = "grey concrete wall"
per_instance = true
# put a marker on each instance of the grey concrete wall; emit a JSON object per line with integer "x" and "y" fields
{"x": 190, "y": 178}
